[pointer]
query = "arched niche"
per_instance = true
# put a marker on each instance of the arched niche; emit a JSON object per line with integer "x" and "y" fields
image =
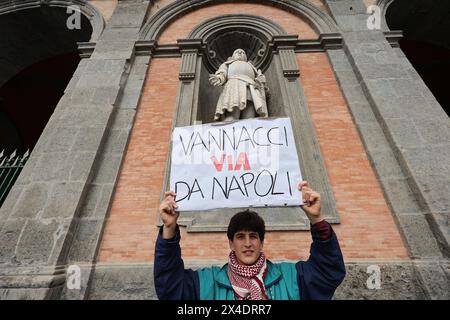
{"x": 218, "y": 38}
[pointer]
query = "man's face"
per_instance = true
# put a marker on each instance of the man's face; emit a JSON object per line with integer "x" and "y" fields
{"x": 247, "y": 246}
{"x": 239, "y": 54}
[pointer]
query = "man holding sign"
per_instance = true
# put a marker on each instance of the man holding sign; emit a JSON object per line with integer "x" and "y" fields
{"x": 249, "y": 163}
{"x": 249, "y": 275}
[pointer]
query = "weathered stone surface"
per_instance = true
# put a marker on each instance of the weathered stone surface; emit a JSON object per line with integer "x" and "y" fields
{"x": 29, "y": 294}
{"x": 88, "y": 139}
{"x": 422, "y": 242}
{"x": 123, "y": 282}
{"x": 436, "y": 189}
{"x": 117, "y": 141}
{"x": 38, "y": 240}
{"x": 128, "y": 281}
{"x": 436, "y": 280}
{"x": 87, "y": 116}
{"x": 398, "y": 281}
{"x": 7, "y": 206}
{"x": 385, "y": 163}
{"x": 52, "y": 166}
{"x": 9, "y": 236}
{"x": 93, "y": 194}
{"x": 63, "y": 200}
{"x": 403, "y": 132}
{"x": 80, "y": 170}
{"x": 434, "y": 131}
{"x": 129, "y": 14}
{"x": 403, "y": 198}
{"x": 62, "y": 140}
{"x": 374, "y": 138}
{"x": 123, "y": 119}
{"x": 84, "y": 244}
{"x": 108, "y": 171}
{"x": 32, "y": 200}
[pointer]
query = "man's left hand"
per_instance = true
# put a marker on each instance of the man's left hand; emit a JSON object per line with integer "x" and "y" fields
{"x": 311, "y": 202}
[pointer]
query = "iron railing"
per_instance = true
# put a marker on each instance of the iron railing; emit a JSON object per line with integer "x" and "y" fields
{"x": 10, "y": 167}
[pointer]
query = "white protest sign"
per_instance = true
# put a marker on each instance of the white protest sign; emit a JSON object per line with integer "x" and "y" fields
{"x": 247, "y": 163}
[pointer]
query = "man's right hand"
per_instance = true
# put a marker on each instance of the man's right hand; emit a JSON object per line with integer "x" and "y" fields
{"x": 169, "y": 215}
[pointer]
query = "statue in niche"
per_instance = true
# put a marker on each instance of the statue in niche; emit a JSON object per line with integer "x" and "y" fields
{"x": 244, "y": 93}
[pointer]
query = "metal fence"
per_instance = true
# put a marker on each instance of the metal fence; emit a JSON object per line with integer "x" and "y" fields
{"x": 10, "y": 167}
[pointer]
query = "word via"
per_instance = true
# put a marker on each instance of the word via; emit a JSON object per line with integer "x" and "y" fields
{"x": 242, "y": 161}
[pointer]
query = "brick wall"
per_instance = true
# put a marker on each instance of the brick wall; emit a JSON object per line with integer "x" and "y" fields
{"x": 130, "y": 231}
{"x": 367, "y": 230}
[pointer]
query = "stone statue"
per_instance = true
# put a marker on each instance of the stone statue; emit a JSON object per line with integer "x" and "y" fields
{"x": 244, "y": 92}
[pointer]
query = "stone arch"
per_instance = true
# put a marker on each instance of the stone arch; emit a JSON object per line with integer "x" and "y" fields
{"x": 35, "y": 40}
{"x": 320, "y": 21}
{"x": 87, "y": 9}
{"x": 384, "y": 5}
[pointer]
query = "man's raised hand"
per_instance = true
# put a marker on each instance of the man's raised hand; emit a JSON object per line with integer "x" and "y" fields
{"x": 311, "y": 202}
{"x": 169, "y": 215}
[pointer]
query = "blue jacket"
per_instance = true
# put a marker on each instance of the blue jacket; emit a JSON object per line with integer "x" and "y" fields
{"x": 316, "y": 278}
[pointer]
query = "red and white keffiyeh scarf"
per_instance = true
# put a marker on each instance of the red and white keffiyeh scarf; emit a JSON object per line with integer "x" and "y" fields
{"x": 248, "y": 281}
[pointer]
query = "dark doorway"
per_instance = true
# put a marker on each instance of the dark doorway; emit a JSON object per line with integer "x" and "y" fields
{"x": 38, "y": 56}
{"x": 29, "y": 99}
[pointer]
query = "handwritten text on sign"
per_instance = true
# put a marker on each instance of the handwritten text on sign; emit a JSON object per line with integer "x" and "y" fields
{"x": 233, "y": 165}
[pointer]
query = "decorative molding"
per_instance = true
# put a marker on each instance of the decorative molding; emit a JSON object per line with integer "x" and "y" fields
{"x": 331, "y": 41}
{"x": 86, "y": 49}
{"x": 285, "y": 46}
{"x": 173, "y": 50}
{"x": 393, "y": 37}
{"x": 289, "y": 63}
{"x": 194, "y": 45}
{"x": 189, "y": 49}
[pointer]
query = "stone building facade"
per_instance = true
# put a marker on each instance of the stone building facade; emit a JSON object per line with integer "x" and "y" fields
{"x": 375, "y": 141}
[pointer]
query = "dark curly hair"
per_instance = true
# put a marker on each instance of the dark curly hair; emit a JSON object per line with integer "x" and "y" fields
{"x": 246, "y": 221}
